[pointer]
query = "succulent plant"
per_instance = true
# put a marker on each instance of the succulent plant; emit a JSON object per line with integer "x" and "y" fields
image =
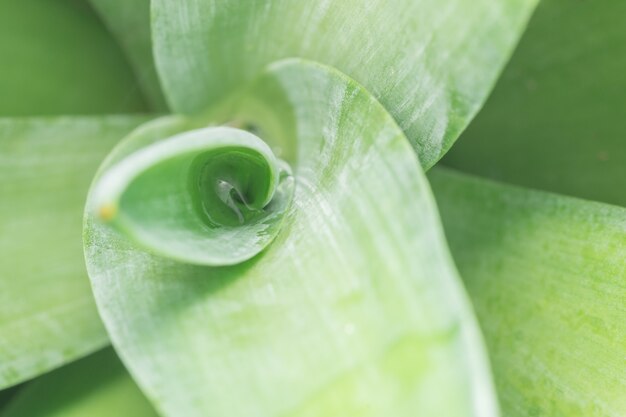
{"x": 249, "y": 201}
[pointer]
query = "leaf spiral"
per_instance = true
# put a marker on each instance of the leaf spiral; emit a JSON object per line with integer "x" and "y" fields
{"x": 345, "y": 304}
{"x": 211, "y": 196}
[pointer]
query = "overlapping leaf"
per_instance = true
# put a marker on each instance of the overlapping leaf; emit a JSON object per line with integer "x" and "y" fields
{"x": 47, "y": 314}
{"x": 547, "y": 277}
{"x": 211, "y": 196}
{"x": 346, "y": 297}
{"x": 556, "y": 118}
{"x": 354, "y": 309}
{"x": 97, "y": 386}
{"x": 430, "y": 63}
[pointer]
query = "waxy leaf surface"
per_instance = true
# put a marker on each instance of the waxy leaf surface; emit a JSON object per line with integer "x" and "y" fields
{"x": 47, "y": 313}
{"x": 353, "y": 309}
{"x": 430, "y": 63}
{"x": 547, "y": 276}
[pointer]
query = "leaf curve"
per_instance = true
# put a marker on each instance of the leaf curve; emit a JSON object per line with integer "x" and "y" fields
{"x": 211, "y": 196}
{"x": 430, "y": 63}
{"x": 546, "y": 275}
{"x": 47, "y": 313}
{"x": 333, "y": 317}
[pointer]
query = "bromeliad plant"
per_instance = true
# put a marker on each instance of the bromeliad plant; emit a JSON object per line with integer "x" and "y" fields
{"x": 260, "y": 237}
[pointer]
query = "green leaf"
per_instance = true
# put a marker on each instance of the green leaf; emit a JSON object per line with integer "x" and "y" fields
{"x": 211, "y": 196}
{"x": 6, "y": 395}
{"x": 97, "y": 386}
{"x": 130, "y": 23}
{"x": 546, "y": 274}
{"x": 556, "y": 118}
{"x": 47, "y": 314}
{"x": 430, "y": 63}
{"x": 354, "y": 309}
{"x": 57, "y": 58}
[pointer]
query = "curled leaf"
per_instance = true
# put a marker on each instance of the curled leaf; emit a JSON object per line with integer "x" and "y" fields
{"x": 353, "y": 309}
{"x": 212, "y": 196}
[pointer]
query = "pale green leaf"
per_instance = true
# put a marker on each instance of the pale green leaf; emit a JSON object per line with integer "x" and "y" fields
{"x": 57, "y": 58}
{"x": 47, "y": 314}
{"x": 96, "y": 386}
{"x": 547, "y": 275}
{"x": 430, "y": 63}
{"x": 354, "y": 309}
{"x": 130, "y": 22}
{"x": 211, "y": 196}
{"x": 557, "y": 118}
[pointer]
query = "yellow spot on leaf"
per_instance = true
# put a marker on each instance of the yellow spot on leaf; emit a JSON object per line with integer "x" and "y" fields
{"x": 107, "y": 212}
